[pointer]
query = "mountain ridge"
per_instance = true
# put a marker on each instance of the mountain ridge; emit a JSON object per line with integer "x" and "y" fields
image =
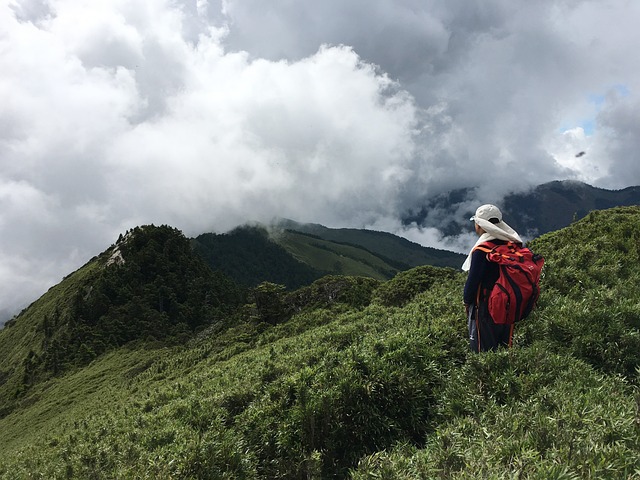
{"x": 542, "y": 209}
{"x": 555, "y": 205}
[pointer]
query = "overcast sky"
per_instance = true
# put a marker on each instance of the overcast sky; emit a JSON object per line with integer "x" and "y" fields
{"x": 207, "y": 114}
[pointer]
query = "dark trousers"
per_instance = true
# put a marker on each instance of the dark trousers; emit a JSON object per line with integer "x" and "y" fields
{"x": 484, "y": 335}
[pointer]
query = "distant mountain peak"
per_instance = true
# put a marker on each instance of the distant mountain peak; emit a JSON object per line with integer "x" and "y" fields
{"x": 541, "y": 209}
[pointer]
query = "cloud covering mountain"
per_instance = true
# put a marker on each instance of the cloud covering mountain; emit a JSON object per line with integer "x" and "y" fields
{"x": 206, "y": 114}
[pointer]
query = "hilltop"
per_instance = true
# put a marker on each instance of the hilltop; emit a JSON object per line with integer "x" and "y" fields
{"x": 148, "y": 286}
{"x": 349, "y": 377}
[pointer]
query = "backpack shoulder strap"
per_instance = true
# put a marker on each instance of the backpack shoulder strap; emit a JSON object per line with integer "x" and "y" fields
{"x": 486, "y": 247}
{"x": 509, "y": 252}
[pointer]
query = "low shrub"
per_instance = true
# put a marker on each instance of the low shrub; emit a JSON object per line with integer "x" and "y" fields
{"x": 401, "y": 289}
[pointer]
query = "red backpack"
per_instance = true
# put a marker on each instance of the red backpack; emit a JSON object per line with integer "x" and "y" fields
{"x": 517, "y": 289}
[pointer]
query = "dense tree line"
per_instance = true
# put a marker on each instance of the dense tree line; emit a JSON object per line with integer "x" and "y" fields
{"x": 159, "y": 290}
{"x": 248, "y": 256}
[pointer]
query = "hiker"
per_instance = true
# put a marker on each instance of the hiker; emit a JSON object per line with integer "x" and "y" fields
{"x": 484, "y": 334}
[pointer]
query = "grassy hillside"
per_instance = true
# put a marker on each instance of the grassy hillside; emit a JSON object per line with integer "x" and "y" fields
{"x": 335, "y": 258}
{"x": 398, "y": 252}
{"x": 250, "y": 257}
{"x": 359, "y": 378}
{"x": 24, "y": 338}
{"x": 294, "y": 255}
{"x": 149, "y": 286}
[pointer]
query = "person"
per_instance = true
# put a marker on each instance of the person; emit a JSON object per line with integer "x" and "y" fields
{"x": 484, "y": 334}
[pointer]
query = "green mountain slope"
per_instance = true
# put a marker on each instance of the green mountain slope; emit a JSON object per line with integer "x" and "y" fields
{"x": 330, "y": 257}
{"x": 398, "y": 252}
{"x": 23, "y": 340}
{"x": 250, "y": 257}
{"x": 360, "y": 378}
{"x": 149, "y": 285}
{"x": 294, "y": 255}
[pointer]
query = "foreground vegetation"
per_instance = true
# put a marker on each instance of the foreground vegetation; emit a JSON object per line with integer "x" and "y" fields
{"x": 358, "y": 378}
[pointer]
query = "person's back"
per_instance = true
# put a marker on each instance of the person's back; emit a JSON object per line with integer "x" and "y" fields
{"x": 484, "y": 334}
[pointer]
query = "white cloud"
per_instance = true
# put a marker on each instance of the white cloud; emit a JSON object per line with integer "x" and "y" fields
{"x": 211, "y": 113}
{"x": 619, "y": 140}
{"x": 572, "y": 150}
{"x": 260, "y": 137}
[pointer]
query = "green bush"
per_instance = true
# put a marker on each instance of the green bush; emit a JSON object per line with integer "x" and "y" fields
{"x": 330, "y": 290}
{"x": 522, "y": 414}
{"x": 590, "y": 303}
{"x": 406, "y": 285}
{"x": 355, "y": 401}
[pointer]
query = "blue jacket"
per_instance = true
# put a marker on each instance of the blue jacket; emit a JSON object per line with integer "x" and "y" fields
{"x": 482, "y": 273}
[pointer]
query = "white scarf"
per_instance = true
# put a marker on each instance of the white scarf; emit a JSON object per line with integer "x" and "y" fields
{"x": 497, "y": 231}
